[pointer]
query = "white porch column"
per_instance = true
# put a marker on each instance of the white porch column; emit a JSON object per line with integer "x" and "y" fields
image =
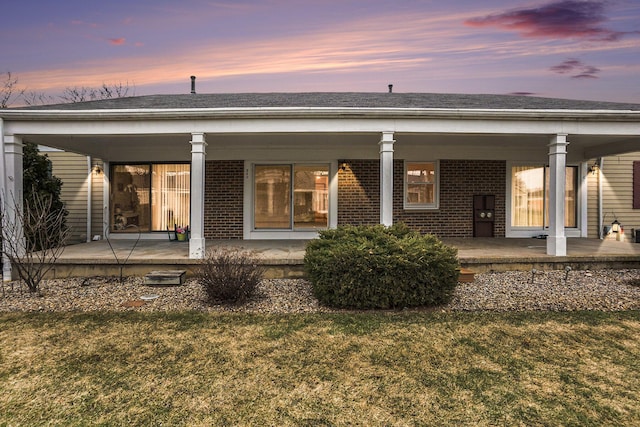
{"x": 557, "y": 241}
{"x": 13, "y": 169}
{"x": 198, "y": 156}
{"x": 12, "y": 190}
{"x": 386, "y": 178}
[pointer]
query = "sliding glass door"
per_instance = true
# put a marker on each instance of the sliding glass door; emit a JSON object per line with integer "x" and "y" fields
{"x": 149, "y": 197}
{"x": 272, "y": 197}
{"x": 530, "y": 197}
{"x": 170, "y": 196}
{"x": 291, "y": 197}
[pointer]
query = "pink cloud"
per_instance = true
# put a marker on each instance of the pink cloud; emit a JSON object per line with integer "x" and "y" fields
{"x": 560, "y": 19}
{"x": 576, "y": 67}
{"x": 117, "y": 42}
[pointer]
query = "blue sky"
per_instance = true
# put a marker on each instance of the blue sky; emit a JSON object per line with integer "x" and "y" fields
{"x": 566, "y": 49}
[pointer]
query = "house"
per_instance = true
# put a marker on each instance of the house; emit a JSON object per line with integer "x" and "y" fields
{"x": 285, "y": 165}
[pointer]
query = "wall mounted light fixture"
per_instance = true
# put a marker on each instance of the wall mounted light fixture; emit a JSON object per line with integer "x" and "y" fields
{"x": 616, "y": 226}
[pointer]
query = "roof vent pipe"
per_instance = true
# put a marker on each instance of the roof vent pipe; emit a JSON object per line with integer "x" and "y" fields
{"x": 193, "y": 84}
{"x": 390, "y": 88}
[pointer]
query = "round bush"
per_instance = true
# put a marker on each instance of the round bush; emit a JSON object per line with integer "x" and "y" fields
{"x": 380, "y": 267}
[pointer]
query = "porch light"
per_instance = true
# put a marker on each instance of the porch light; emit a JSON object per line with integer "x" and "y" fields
{"x": 96, "y": 169}
{"x": 594, "y": 168}
{"x": 616, "y": 226}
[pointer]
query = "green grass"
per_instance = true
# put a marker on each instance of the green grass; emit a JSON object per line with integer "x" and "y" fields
{"x": 323, "y": 369}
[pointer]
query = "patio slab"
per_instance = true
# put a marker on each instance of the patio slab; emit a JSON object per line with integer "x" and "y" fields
{"x": 284, "y": 258}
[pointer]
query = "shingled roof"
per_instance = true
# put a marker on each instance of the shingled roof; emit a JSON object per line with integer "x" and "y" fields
{"x": 340, "y": 100}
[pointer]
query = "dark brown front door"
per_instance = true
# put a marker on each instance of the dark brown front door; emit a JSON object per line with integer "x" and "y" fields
{"x": 483, "y": 215}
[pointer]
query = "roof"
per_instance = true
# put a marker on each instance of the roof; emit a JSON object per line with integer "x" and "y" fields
{"x": 339, "y": 100}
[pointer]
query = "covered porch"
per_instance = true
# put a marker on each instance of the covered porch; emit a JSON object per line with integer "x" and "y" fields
{"x": 420, "y": 159}
{"x": 284, "y": 258}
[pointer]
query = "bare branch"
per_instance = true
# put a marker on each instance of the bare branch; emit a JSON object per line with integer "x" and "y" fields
{"x": 9, "y": 90}
{"x": 106, "y": 91}
{"x": 37, "y": 98}
{"x": 78, "y": 94}
{"x": 34, "y": 237}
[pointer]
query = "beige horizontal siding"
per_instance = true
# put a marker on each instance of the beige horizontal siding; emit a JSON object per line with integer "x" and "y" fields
{"x": 97, "y": 215}
{"x": 617, "y": 194}
{"x": 71, "y": 168}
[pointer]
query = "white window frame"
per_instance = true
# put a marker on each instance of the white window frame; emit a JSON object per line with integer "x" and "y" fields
{"x": 421, "y": 206}
{"x": 250, "y": 233}
{"x": 581, "y": 205}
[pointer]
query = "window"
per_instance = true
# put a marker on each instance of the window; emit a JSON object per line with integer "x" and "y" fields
{"x": 421, "y": 185}
{"x": 530, "y": 196}
{"x": 150, "y": 197}
{"x": 290, "y": 197}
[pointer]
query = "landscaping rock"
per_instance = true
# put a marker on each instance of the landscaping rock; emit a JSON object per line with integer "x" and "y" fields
{"x": 607, "y": 290}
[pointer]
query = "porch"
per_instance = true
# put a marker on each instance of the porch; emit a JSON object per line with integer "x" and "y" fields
{"x": 284, "y": 258}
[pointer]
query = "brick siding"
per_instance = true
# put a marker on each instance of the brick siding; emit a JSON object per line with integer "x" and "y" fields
{"x": 223, "y": 199}
{"x": 359, "y": 192}
{"x": 359, "y": 196}
{"x": 460, "y": 180}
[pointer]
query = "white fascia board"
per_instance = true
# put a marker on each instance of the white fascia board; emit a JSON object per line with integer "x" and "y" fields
{"x": 318, "y": 112}
{"x": 318, "y": 125}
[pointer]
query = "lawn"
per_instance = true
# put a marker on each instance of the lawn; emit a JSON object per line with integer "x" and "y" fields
{"x": 429, "y": 368}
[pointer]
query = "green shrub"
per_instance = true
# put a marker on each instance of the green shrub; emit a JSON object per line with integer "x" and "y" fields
{"x": 229, "y": 275}
{"x": 380, "y": 267}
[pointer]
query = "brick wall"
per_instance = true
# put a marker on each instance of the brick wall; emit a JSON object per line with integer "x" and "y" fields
{"x": 359, "y": 196}
{"x": 460, "y": 180}
{"x": 223, "y": 199}
{"x": 359, "y": 192}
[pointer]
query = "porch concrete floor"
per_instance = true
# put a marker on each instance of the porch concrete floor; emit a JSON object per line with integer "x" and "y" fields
{"x": 480, "y": 254}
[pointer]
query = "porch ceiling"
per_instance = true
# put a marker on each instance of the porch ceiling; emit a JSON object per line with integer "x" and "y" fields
{"x": 176, "y": 147}
{"x": 158, "y": 147}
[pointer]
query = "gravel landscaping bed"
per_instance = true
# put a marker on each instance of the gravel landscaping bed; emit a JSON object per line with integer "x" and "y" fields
{"x": 607, "y": 290}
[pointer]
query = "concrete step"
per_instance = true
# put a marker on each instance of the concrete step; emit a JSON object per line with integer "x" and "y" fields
{"x": 165, "y": 277}
{"x": 466, "y": 276}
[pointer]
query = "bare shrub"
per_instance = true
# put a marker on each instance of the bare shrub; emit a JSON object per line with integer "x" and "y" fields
{"x": 34, "y": 237}
{"x": 229, "y": 275}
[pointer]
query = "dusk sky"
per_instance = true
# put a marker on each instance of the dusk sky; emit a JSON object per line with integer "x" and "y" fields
{"x": 566, "y": 49}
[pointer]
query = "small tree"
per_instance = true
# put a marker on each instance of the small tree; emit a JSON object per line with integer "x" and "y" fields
{"x": 40, "y": 185}
{"x": 34, "y": 229}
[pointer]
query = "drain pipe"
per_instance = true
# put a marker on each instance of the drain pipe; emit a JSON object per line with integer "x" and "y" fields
{"x": 89, "y": 197}
{"x": 600, "y": 218}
